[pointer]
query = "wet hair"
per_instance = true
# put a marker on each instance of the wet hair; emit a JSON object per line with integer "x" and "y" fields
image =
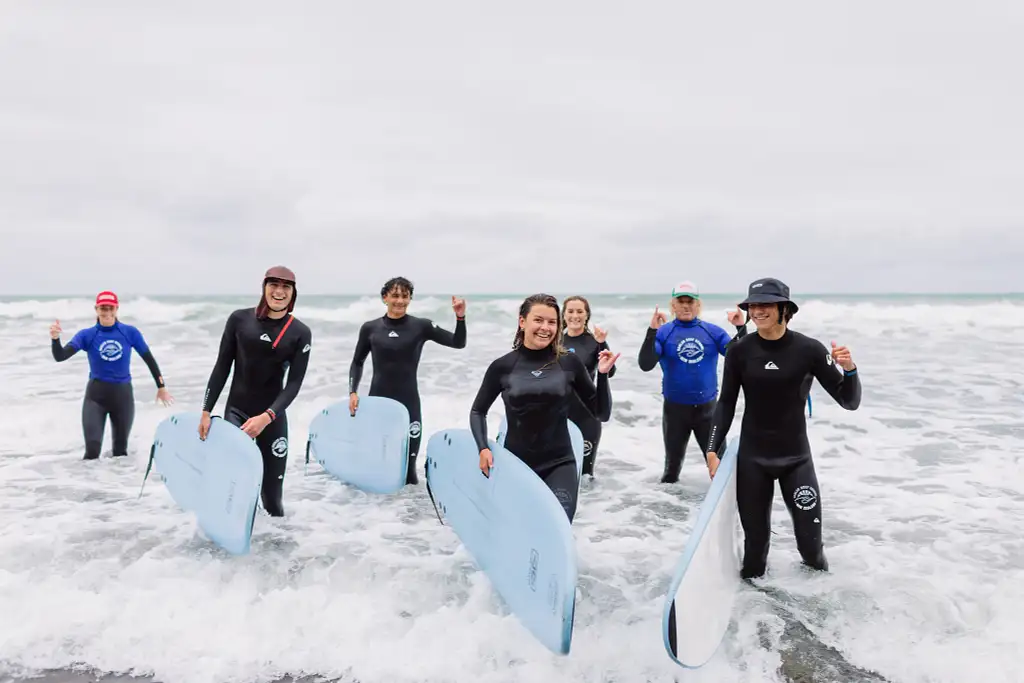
{"x": 399, "y": 283}
{"x": 586, "y": 307}
{"x": 524, "y": 310}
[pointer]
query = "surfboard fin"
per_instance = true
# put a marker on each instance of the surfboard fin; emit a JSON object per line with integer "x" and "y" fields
{"x": 149, "y": 466}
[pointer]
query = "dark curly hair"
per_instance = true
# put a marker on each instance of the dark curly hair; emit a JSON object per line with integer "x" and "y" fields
{"x": 399, "y": 283}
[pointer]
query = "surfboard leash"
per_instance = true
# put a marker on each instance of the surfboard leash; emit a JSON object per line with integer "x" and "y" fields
{"x": 430, "y": 493}
{"x": 149, "y": 467}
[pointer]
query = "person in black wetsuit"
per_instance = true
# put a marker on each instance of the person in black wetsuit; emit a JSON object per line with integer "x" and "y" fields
{"x": 396, "y": 341}
{"x": 262, "y": 343}
{"x": 537, "y": 381}
{"x": 577, "y": 338}
{"x": 775, "y": 368}
{"x": 108, "y": 345}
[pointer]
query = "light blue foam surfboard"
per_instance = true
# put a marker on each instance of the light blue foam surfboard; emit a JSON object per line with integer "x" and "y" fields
{"x": 575, "y": 437}
{"x": 700, "y": 598}
{"x": 515, "y": 529}
{"x": 218, "y": 479}
{"x": 370, "y": 450}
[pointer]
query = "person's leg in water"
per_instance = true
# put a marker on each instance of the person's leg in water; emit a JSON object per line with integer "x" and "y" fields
{"x": 121, "y": 405}
{"x": 94, "y": 419}
{"x": 702, "y": 418}
{"x": 564, "y": 483}
{"x": 800, "y": 491}
{"x": 590, "y": 428}
{"x": 273, "y": 445}
{"x": 755, "y": 488}
{"x": 675, "y": 431}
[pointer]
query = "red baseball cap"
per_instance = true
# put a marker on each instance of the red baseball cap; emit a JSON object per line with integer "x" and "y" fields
{"x": 106, "y": 299}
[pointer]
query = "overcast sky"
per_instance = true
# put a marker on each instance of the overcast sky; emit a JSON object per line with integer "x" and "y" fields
{"x": 184, "y": 147}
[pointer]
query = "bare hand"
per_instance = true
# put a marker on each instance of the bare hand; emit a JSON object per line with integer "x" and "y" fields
{"x": 254, "y": 425}
{"x": 600, "y": 335}
{"x": 486, "y": 462}
{"x": 164, "y": 396}
{"x": 605, "y": 360}
{"x": 712, "y": 464}
{"x": 658, "y": 319}
{"x": 736, "y": 318}
{"x": 353, "y": 403}
{"x": 841, "y": 355}
{"x": 55, "y": 330}
{"x": 459, "y": 306}
{"x": 204, "y": 425}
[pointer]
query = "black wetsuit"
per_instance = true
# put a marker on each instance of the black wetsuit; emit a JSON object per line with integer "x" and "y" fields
{"x": 587, "y": 349}
{"x": 262, "y": 350}
{"x": 109, "y": 391}
{"x": 396, "y": 345}
{"x": 776, "y": 377}
{"x": 537, "y": 392}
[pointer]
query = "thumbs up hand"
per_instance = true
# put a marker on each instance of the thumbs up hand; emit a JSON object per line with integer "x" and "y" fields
{"x": 841, "y": 355}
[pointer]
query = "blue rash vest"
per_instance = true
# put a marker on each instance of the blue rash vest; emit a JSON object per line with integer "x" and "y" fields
{"x": 110, "y": 350}
{"x": 688, "y": 354}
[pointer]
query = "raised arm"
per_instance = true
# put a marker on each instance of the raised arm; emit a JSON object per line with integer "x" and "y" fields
{"x": 842, "y": 385}
{"x": 456, "y": 340}
{"x": 597, "y": 399}
{"x": 650, "y": 350}
{"x": 222, "y": 368}
{"x": 603, "y": 346}
{"x": 297, "y": 365}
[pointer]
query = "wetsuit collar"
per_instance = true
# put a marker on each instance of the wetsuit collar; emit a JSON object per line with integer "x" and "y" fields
{"x": 786, "y": 337}
{"x": 536, "y": 354}
{"x": 686, "y": 323}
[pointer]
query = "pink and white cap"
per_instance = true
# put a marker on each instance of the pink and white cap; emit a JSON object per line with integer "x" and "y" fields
{"x": 686, "y": 288}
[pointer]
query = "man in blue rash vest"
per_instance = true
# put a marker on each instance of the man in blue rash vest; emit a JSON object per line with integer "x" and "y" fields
{"x": 263, "y": 343}
{"x": 396, "y": 341}
{"x": 577, "y": 338}
{"x": 687, "y": 350}
{"x": 775, "y": 369}
{"x": 108, "y": 345}
{"x": 537, "y": 381}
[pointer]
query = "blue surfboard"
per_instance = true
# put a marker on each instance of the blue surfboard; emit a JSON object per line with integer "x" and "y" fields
{"x": 370, "y": 450}
{"x": 575, "y": 437}
{"x": 515, "y": 529}
{"x": 700, "y": 598}
{"x": 218, "y": 479}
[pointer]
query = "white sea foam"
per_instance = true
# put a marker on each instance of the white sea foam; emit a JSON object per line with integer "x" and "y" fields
{"x": 922, "y": 487}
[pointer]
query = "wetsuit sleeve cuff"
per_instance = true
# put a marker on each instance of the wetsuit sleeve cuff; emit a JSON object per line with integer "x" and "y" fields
{"x": 848, "y": 373}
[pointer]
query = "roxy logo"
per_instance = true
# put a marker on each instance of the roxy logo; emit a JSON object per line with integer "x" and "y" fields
{"x": 414, "y": 429}
{"x": 805, "y": 497}
{"x": 280, "y": 446}
{"x": 587, "y": 447}
{"x": 690, "y": 350}
{"x": 111, "y": 350}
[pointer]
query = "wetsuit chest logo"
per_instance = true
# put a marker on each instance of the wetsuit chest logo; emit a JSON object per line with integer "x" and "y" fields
{"x": 111, "y": 350}
{"x": 690, "y": 350}
{"x": 265, "y": 337}
{"x": 392, "y": 333}
{"x": 770, "y": 365}
{"x": 536, "y": 373}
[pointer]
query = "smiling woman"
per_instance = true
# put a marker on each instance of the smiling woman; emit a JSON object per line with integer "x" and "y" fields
{"x": 109, "y": 344}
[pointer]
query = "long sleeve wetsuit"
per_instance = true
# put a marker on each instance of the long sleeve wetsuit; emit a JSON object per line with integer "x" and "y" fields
{"x": 109, "y": 391}
{"x": 588, "y": 349}
{"x": 262, "y": 350}
{"x": 776, "y": 377}
{"x": 395, "y": 346}
{"x": 688, "y": 353}
{"x": 537, "y": 390}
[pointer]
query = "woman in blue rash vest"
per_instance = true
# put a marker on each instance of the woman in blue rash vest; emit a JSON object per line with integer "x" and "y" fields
{"x": 577, "y": 338}
{"x": 108, "y": 345}
{"x": 396, "y": 341}
{"x": 537, "y": 381}
{"x": 775, "y": 369}
{"x": 262, "y": 343}
{"x": 687, "y": 349}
